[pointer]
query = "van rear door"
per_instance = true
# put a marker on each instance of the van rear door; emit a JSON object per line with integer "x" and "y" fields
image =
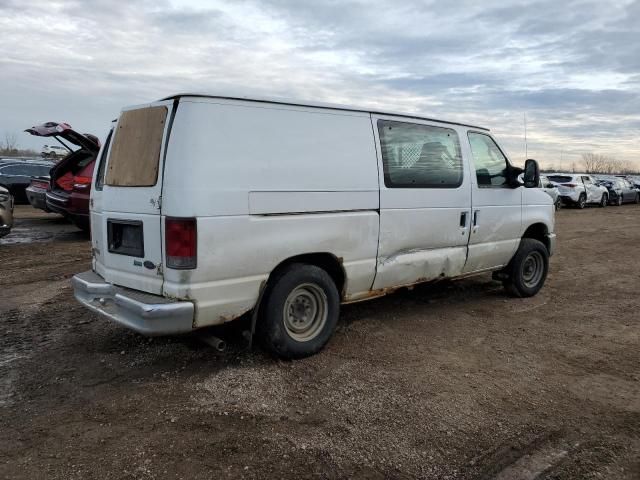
{"x": 126, "y": 199}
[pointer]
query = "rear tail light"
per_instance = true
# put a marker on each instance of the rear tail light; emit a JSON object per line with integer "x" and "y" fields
{"x": 570, "y": 185}
{"x": 180, "y": 242}
{"x": 81, "y": 183}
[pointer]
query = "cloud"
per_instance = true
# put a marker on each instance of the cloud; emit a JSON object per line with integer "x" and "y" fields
{"x": 573, "y": 67}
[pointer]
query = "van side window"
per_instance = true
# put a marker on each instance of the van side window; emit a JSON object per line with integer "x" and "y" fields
{"x": 419, "y": 156}
{"x": 489, "y": 161}
{"x": 103, "y": 162}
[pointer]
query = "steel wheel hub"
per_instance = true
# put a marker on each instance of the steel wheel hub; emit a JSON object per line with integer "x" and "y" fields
{"x": 305, "y": 312}
{"x": 532, "y": 269}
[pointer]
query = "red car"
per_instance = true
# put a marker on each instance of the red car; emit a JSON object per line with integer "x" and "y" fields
{"x": 70, "y": 184}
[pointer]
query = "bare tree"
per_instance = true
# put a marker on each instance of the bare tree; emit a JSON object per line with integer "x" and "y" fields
{"x": 596, "y": 163}
{"x": 625, "y": 167}
{"x": 10, "y": 141}
{"x": 609, "y": 165}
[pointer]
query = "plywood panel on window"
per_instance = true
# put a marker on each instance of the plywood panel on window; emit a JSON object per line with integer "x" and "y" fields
{"x": 135, "y": 154}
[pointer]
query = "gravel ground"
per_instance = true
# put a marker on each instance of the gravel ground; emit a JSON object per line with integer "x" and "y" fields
{"x": 448, "y": 381}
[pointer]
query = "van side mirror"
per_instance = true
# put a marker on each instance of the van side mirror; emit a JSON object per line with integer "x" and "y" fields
{"x": 531, "y": 177}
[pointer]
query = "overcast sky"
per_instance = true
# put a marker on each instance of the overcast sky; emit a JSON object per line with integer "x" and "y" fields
{"x": 572, "y": 66}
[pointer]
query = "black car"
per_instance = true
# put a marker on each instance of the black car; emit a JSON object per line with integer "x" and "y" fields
{"x": 635, "y": 181}
{"x": 37, "y": 192}
{"x": 621, "y": 191}
{"x": 16, "y": 177}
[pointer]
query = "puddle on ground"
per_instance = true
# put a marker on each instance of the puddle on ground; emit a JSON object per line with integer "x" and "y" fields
{"x": 38, "y": 231}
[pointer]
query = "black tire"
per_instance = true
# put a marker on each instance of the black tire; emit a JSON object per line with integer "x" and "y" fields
{"x": 558, "y": 204}
{"x": 620, "y": 200}
{"x": 309, "y": 285}
{"x": 604, "y": 201}
{"x": 582, "y": 201}
{"x": 521, "y": 282}
{"x": 637, "y": 200}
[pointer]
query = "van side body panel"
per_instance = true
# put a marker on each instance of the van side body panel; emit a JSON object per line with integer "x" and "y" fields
{"x": 266, "y": 183}
{"x": 537, "y": 207}
{"x": 236, "y": 254}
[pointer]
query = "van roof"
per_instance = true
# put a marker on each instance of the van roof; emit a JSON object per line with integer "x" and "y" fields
{"x": 300, "y": 103}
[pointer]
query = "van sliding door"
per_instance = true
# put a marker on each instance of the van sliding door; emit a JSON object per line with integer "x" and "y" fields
{"x": 425, "y": 201}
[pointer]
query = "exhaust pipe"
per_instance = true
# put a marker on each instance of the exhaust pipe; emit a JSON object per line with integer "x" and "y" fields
{"x": 215, "y": 342}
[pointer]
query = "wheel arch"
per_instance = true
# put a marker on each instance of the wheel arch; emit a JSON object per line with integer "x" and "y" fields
{"x": 538, "y": 231}
{"x": 325, "y": 260}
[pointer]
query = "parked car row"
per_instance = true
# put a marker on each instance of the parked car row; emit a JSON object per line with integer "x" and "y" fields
{"x": 579, "y": 190}
{"x": 15, "y": 175}
{"x": 621, "y": 190}
{"x": 62, "y": 187}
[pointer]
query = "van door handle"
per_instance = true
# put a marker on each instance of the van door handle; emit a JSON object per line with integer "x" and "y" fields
{"x": 475, "y": 221}
{"x": 463, "y": 220}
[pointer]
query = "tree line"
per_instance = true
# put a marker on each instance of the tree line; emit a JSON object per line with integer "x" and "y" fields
{"x": 9, "y": 147}
{"x": 599, "y": 164}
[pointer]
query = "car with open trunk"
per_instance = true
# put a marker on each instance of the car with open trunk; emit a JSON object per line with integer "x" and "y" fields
{"x": 69, "y": 187}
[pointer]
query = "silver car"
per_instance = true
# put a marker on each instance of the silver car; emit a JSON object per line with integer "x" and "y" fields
{"x": 6, "y": 212}
{"x": 551, "y": 190}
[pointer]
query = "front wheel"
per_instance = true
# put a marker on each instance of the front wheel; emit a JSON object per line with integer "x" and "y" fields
{"x": 604, "y": 200}
{"x": 582, "y": 201}
{"x": 527, "y": 271}
{"x": 300, "y": 311}
{"x": 558, "y": 204}
{"x": 620, "y": 200}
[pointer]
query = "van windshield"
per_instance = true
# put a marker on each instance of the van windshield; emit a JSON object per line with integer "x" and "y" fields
{"x": 135, "y": 153}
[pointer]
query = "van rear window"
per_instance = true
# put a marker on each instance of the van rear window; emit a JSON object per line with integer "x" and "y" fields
{"x": 560, "y": 178}
{"x": 135, "y": 153}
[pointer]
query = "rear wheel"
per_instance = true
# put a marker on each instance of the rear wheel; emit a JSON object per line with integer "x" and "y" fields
{"x": 300, "y": 311}
{"x": 620, "y": 200}
{"x": 637, "y": 198}
{"x": 604, "y": 200}
{"x": 527, "y": 271}
{"x": 558, "y": 204}
{"x": 582, "y": 201}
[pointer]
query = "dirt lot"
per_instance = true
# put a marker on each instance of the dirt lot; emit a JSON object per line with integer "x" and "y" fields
{"x": 450, "y": 381}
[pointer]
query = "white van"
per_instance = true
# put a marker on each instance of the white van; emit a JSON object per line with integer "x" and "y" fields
{"x": 205, "y": 208}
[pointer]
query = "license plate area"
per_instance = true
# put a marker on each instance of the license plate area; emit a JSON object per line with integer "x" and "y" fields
{"x": 125, "y": 237}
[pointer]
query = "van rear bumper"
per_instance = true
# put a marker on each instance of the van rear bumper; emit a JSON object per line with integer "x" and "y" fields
{"x": 145, "y": 313}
